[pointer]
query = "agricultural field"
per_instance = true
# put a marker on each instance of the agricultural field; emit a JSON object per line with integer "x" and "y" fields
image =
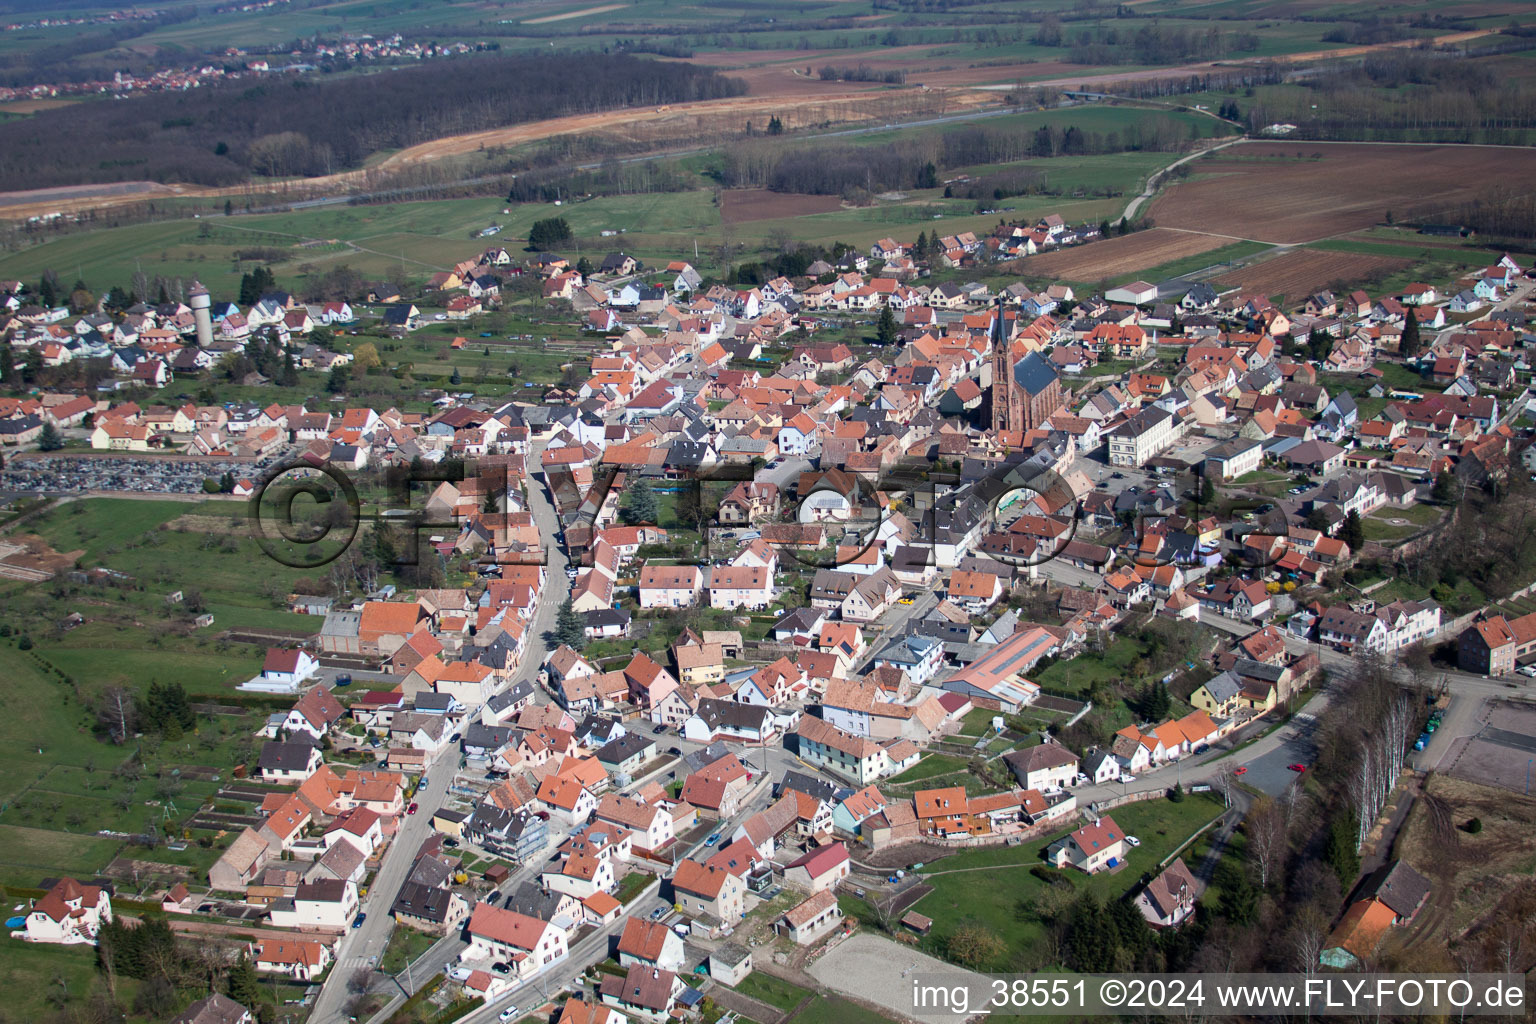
{"x": 1115, "y": 257}
{"x": 1300, "y": 272}
{"x": 407, "y": 242}
{"x": 1298, "y": 192}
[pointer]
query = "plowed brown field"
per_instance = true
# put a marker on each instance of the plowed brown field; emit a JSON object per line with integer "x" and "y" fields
{"x": 1304, "y": 271}
{"x": 1261, "y": 190}
{"x": 743, "y": 204}
{"x": 1115, "y": 257}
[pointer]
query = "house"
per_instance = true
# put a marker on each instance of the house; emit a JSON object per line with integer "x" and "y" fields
{"x": 299, "y": 959}
{"x": 1044, "y": 767}
{"x": 974, "y": 592}
{"x": 528, "y": 944}
{"x": 1244, "y": 600}
{"x": 283, "y": 761}
{"x": 813, "y": 918}
{"x": 327, "y": 905}
{"x": 652, "y": 825}
{"x": 645, "y": 993}
{"x": 700, "y": 889}
{"x": 1143, "y": 437}
{"x": 1493, "y": 646}
{"x": 1094, "y": 847}
{"x": 1218, "y": 696}
{"x": 829, "y": 748}
{"x": 740, "y": 586}
{"x": 651, "y": 943}
{"x": 819, "y": 870}
{"x": 626, "y": 754}
{"x": 215, "y": 1009}
{"x": 69, "y": 913}
{"x": 1401, "y": 888}
{"x": 670, "y": 586}
{"x": 315, "y": 712}
{"x": 1169, "y": 899}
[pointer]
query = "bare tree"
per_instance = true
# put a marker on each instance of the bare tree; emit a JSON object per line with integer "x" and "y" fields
{"x": 1265, "y": 829}
{"x": 116, "y": 713}
{"x": 1304, "y": 940}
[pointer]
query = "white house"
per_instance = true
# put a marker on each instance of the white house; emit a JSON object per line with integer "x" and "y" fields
{"x": 327, "y": 904}
{"x": 740, "y": 586}
{"x": 300, "y": 959}
{"x": 69, "y": 913}
{"x": 527, "y": 944}
{"x": 1094, "y": 847}
{"x": 670, "y": 586}
{"x": 1045, "y": 766}
{"x": 287, "y": 669}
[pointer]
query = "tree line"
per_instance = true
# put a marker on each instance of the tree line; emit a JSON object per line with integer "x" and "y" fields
{"x": 1155, "y": 44}
{"x": 1405, "y": 96}
{"x": 225, "y": 134}
{"x": 854, "y": 171}
{"x": 171, "y": 970}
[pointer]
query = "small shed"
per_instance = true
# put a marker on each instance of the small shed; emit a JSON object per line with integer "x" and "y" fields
{"x": 730, "y": 963}
{"x": 917, "y": 922}
{"x": 497, "y": 874}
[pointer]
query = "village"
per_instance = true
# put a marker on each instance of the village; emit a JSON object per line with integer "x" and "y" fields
{"x": 730, "y": 647}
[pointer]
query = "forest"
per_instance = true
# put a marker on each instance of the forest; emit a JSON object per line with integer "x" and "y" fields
{"x": 300, "y": 127}
{"x": 857, "y": 171}
{"x": 1405, "y": 96}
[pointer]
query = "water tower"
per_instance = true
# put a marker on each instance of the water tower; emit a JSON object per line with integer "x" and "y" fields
{"x": 201, "y": 314}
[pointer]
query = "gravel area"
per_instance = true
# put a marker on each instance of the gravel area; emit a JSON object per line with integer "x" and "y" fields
{"x": 875, "y": 969}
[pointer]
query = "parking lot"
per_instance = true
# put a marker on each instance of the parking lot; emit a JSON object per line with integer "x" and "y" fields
{"x": 58, "y": 475}
{"x": 1498, "y": 754}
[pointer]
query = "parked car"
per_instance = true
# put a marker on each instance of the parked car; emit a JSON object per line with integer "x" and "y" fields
{"x": 494, "y": 897}
{"x": 508, "y": 1013}
{"x": 1241, "y": 769}
{"x": 357, "y": 922}
{"x": 1132, "y": 841}
{"x": 1297, "y": 767}
{"x": 658, "y": 913}
{"x": 713, "y": 839}
{"x": 344, "y": 679}
{"x": 451, "y": 843}
{"x": 1127, "y": 777}
{"x": 412, "y": 809}
{"x": 501, "y": 968}
{"x": 1081, "y": 780}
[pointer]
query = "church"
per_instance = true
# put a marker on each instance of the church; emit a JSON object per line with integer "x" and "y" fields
{"x": 1024, "y": 394}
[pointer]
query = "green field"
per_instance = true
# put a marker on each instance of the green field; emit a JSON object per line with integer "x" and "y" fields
{"x": 773, "y": 991}
{"x": 407, "y": 242}
{"x": 40, "y": 978}
{"x": 1002, "y": 897}
{"x": 931, "y": 766}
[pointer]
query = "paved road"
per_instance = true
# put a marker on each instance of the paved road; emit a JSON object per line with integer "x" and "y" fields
{"x": 360, "y": 944}
{"x": 595, "y": 946}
